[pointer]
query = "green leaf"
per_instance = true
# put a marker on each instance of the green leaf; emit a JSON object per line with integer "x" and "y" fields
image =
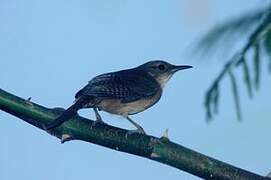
{"x": 247, "y": 78}
{"x": 211, "y": 101}
{"x": 267, "y": 45}
{"x": 235, "y": 95}
{"x": 225, "y": 33}
{"x": 215, "y": 98}
{"x": 256, "y": 61}
{"x": 207, "y": 105}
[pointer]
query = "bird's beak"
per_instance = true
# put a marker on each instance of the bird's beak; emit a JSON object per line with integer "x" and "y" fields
{"x": 182, "y": 67}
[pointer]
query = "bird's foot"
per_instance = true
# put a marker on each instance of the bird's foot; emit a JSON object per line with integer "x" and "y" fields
{"x": 136, "y": 131}
{"x": 139, "y": 131}
{"x": 98, "y": 118}
{"x": 156, "y": 141}
{"x": 98, "y": 121}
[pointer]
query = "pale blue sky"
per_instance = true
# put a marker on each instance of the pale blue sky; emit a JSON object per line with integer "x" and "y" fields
{"x": 50, "y": 49}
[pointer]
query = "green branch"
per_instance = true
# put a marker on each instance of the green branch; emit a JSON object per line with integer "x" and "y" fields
{"x": 157, "y": 149}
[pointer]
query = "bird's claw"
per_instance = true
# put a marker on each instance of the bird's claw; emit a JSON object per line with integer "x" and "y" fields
{"x": 136, "y": 131}
{"x": 98, "y": 121}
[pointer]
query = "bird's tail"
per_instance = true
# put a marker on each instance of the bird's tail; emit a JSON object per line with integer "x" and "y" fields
{"x": 68, "y": 113}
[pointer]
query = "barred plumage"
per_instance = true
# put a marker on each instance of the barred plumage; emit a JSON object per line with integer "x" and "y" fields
{"x": 123, "y": 92}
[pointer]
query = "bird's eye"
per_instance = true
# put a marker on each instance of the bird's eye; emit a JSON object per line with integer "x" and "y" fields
{"x": 161, "y": 67}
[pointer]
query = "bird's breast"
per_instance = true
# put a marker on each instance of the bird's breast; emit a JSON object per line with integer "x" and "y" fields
{"x": 115, "y": 106}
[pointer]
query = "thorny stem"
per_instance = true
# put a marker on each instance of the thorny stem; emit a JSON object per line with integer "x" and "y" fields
{"x": 157, "y": 149}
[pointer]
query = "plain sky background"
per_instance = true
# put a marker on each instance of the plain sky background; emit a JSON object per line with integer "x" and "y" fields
{"x": 50, "y": 49}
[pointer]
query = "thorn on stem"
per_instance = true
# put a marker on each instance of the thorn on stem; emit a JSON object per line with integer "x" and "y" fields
{"x": 164, "y": 136}
{"x": 28, "y": 101}
{"x": 154, "y": 155}
{"x": 65, "y": 138}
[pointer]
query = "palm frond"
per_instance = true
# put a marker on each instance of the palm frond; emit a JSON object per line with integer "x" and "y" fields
{"x": 235, "y": 95}
{"x": 267, "y": 46}
{"x": 223, "y": 34}
{"x": 247, "y": 78}
{"x": 258, "y": 39}
{"x": 256, "y": 60}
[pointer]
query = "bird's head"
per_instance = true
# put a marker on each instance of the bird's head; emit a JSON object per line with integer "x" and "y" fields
{"x": 161, "y": 70}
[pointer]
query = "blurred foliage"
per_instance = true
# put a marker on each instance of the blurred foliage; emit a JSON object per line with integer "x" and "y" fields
{"x": 256, "y": 28}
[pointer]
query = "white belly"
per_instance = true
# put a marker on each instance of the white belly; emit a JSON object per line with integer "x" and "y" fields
{"x": 116, "y": 107}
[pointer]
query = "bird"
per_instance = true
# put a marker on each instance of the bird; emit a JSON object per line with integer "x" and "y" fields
{"x": 125, "y": 92}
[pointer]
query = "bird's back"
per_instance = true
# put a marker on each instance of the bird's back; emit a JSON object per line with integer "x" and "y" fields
{"x": 122, "y": 92}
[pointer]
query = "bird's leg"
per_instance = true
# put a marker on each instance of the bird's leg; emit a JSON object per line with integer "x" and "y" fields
{"x": 98, "y": 117}
{"x": 139, "y": 128}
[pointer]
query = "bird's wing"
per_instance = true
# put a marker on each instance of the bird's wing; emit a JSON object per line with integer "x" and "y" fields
{"x": 126, "y": 85}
